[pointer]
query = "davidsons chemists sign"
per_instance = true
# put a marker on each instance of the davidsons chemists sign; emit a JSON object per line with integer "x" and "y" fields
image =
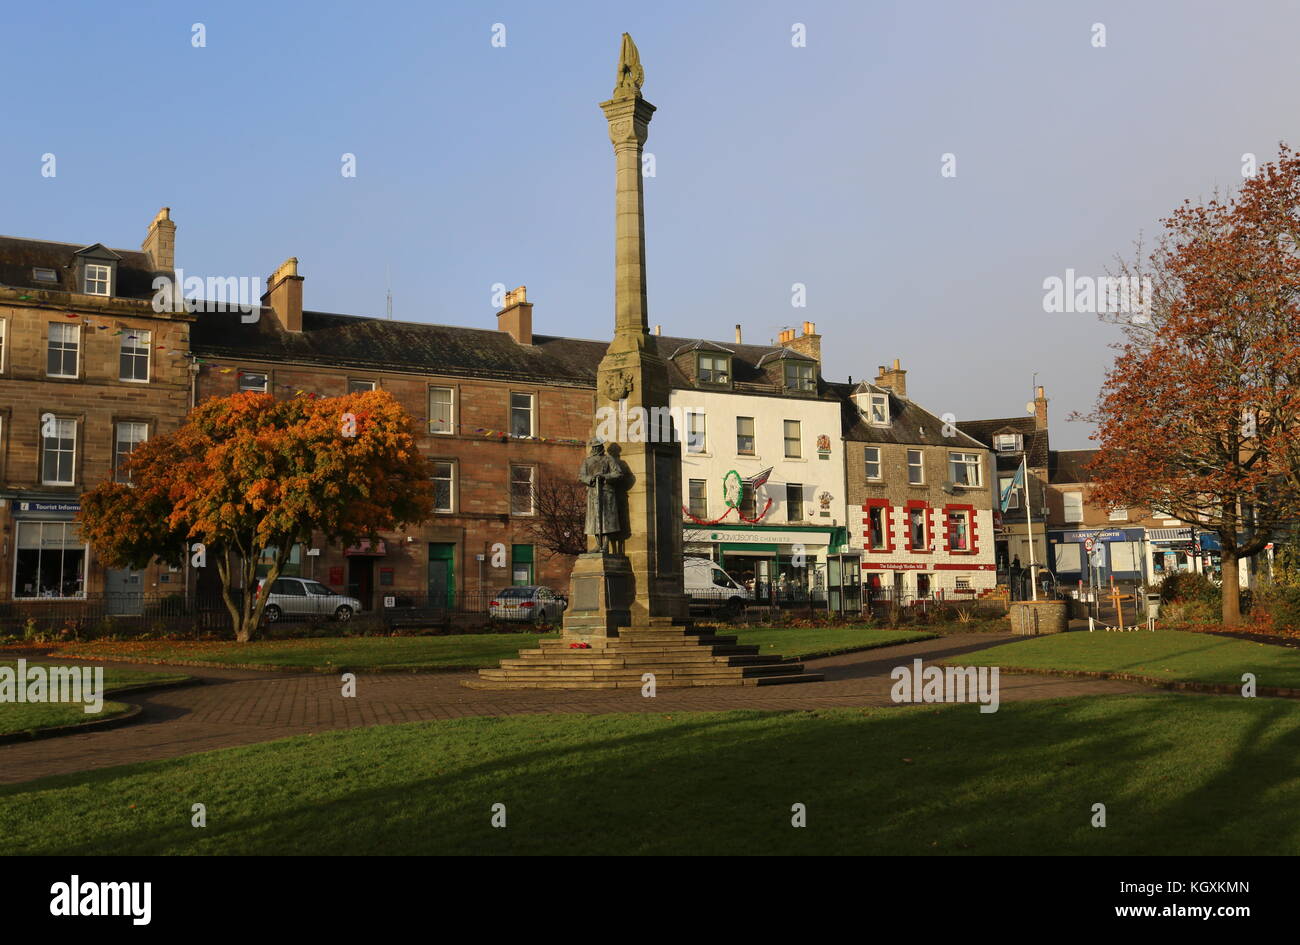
{"x": 820, "y": 537}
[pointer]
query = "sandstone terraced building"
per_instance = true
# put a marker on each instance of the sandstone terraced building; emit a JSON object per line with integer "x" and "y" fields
{"x": 88, "y": 370}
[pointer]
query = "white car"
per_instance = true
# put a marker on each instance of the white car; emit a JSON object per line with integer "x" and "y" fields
{"x": 533, "y": 603}
{"x": 299, "y": 597}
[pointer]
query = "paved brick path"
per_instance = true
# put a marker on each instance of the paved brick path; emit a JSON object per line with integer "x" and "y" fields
{"x": 240, "y": 707}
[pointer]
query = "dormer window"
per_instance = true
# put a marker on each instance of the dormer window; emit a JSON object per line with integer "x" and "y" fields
{"x": 801, "y": 376}
{"x": 1007, "y": 442}
{"x": 99, "y": 279}
{"x": 879, "y": 410}
{"x": 715, "y": 369}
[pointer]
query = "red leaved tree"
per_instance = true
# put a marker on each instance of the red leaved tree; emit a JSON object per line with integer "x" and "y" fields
{"x": 248, "y": 473}
{"x": 1198, "y": 415}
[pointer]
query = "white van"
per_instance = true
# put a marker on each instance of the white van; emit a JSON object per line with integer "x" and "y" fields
{"x": 710, "y": 588}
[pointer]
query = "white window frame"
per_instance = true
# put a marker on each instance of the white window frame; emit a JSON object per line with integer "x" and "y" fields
{"x": 532, "y": 488}
{"x": 75, "y": 348}
{"x": 4, "y": 342}
{"x": 880, "y": 417}
{"x": 1066, "y": 504}
{"x": 58, "y": 430}
{"x": 451, "y": 411}
{"x": 266, "y": 382}
{"x": 697, "y": 432}
{"x": 703, "y": 510}
{"x": 1007, "y": 442}
{"x": 1118, "y": 513}
{"x": 973, "y": 465}
{"x": 117, "y": 442}
{"x": 136, "y": 347}
{"x": 532, "y": 414}
{"x": 752, "y": 436}
{"x": 797, "y": 439}
{"x": 353, "y": 381}
{"x": 868, "y": 462}
{"x": 918, "y": 466}
{"x": 450, "y": 479}
{"x": 91, "y": 276}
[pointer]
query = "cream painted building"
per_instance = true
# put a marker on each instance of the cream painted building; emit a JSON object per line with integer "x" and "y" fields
{"x": 755, "y": 411}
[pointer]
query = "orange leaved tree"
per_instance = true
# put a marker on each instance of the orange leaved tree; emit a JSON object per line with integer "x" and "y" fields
{"x": 248, "y": 473}
{"x": 1200, "y": 414}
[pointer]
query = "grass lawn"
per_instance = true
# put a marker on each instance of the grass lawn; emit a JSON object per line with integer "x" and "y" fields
{"x": 459, "y": 651}
{"x": 804, "y": 642}
{"x": 1164, "y": 655}
{"x": 29, "y": 716}
{"x": 1178, "y": 775}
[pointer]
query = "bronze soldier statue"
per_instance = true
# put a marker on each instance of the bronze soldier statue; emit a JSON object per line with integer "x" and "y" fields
{"x": 600, "y": 473}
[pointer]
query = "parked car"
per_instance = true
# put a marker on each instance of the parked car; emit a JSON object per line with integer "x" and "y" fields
{"x": 533, "y": 603}
{"x": 299, "y": 597}
{"x": 709, "y": 588}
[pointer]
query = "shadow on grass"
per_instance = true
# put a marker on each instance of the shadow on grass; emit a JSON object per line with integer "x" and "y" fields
{"x": 1177, "y": 775}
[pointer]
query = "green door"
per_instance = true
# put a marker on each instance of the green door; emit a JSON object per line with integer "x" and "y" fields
{"x": 442, "y": 573}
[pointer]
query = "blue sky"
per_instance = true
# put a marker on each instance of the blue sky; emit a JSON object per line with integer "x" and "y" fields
{"x": 479, "y": 165}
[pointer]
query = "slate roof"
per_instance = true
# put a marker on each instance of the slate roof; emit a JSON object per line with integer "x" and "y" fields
{"x": 747, "y": 373}
{"x": 378, "y": 343}
{"x": 18, "y": 257}
{"x": 910, "y": 423}
{"x": 1068, "y": 465}
{"x": 1035, "y": 440}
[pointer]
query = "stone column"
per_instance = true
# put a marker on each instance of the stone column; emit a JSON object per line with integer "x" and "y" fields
{"x": 631, "y": 377}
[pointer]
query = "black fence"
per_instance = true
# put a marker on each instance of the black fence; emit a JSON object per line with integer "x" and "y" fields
{"x": 104, "y": 614}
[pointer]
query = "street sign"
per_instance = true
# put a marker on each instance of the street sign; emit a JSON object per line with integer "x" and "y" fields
{"x": 1087, "y": 545}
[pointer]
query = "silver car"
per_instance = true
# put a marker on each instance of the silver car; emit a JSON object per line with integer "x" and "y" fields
{"x": 533, "y": 603}
{"x": 299, "y": 597}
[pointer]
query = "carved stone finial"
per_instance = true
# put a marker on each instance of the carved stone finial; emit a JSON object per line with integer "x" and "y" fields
{"x": 630, "y": 73}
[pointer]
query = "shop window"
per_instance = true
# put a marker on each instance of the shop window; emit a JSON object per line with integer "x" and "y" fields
{"x": 49, "y": 560}
{"x": 876, "y": 532}
{"x": 918, "y": 528}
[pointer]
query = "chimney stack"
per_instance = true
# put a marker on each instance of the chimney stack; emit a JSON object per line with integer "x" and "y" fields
{"x": 284, "y": 295}
{"x": 738, "y": 341}
{"x": 516, "y": 318}
{"x": 894, "y": 378}
{"x": 160, "y": 243}
{"x": 809, "y": 343}
{"x": 659, "y": 329}
{"x": 1040, "y": 409}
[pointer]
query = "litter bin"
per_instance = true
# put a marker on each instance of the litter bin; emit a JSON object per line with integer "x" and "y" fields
{"x": 1153, "y": 604}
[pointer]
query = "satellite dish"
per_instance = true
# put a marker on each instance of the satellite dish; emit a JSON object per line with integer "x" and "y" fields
{"x": 949, "y": 487}
{"x": 1029, "y": 407}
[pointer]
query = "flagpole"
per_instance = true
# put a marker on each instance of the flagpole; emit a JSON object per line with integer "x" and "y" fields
{"x": 1029, "y": 522}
